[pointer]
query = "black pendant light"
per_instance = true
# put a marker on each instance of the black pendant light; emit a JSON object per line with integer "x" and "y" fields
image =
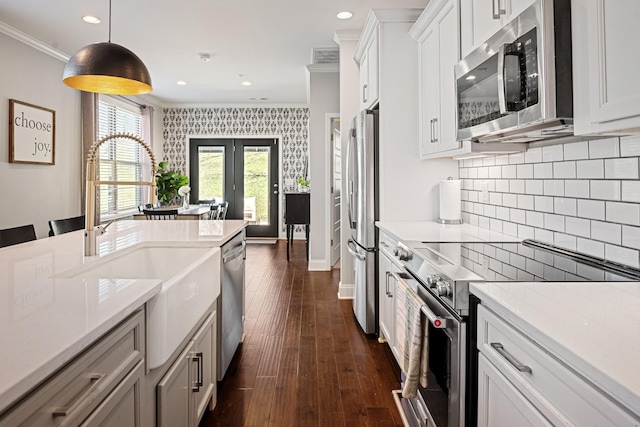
{"x": 107, "y": 68}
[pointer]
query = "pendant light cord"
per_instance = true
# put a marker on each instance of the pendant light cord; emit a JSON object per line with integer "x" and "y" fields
{"x": 109, "y": 21}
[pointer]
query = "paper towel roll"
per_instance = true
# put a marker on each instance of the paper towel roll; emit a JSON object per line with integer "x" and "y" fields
{"x": 450, "y": 200}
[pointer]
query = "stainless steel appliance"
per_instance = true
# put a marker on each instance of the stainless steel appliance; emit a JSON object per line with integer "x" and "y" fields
{"x": 518, "y": 87}
{"x": 231, "y": 301}
{"x": 362, "y": 213}
{"x": 442, "y": 272}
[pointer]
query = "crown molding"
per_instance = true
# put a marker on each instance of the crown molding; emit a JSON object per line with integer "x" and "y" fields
{"x": 323, "y": 68}
{"x": 346, "y": 35}
{"x": 34, "y": 43}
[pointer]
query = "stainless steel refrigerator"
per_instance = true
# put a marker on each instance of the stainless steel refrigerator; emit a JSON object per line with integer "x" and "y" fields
{"x": 362, "y": 191}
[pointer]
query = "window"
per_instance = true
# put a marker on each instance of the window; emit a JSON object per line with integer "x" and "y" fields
{"x": 121, "y": 159}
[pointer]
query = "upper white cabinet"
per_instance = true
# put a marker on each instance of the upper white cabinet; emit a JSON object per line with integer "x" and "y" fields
{"x": 369, "y": 73}
{"x": 605, "y": 64}
{"x": 436, "y": 32}
{"x": 479, "y": 19}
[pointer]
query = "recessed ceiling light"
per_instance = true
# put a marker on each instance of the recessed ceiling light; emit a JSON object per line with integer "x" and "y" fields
{"x": 471, "y": 77}
{"x": 246, "y": 83}
{"x": 181, "y": 82}
{"x": 344, "y": 15}
{"x": 91, "y": 19}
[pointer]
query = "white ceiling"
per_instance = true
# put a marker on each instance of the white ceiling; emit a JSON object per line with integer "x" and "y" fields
{"x": 269, "y": 41}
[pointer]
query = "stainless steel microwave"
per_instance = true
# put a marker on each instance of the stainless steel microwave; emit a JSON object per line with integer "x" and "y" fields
{"x": 518, "y": 86}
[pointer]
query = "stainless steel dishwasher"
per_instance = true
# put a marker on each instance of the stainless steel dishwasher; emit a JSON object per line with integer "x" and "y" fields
{"x": 231, "y": 301}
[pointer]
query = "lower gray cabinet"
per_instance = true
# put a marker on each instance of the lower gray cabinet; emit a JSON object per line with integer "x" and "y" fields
{"x": 189, "y": 386}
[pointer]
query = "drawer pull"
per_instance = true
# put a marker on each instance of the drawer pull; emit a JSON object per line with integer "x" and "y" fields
{"x": 65, "y": 412}
{"x": 199, "y": 359}
{"x": 514, "y": 362}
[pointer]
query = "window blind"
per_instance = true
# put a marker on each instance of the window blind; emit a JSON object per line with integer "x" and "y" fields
{"x": 120, "y": 159}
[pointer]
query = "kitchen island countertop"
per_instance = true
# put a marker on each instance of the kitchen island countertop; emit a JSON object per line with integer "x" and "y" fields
{"x": 47, "y": 321}
{"x": 592, "y": 327}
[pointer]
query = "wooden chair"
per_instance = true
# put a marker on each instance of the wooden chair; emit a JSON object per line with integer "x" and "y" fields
{"x": 219, "y": 212}
{"x": 13, "y": 236}
{"x": 143, "y": 207}
{"x": 61, "y": 226}
{"x": 160, "y": 214}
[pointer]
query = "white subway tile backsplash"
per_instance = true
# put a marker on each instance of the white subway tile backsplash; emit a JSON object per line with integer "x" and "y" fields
{"x": 578, "y": 188}
{"x": 495, "y": 225}
{"x": 622, "y": 255}
{"x": 472, "y": 173}
{"x": 578, "y": 226}
{"x": 524, "y": 171}
{"x": 510, "y": 200}
{"x": 631, "y": 237}
{"x": 605, "y": 190}
{"x": 474, "y": 220}
{"x": 477, "y": 162}
{"x": 509, "y": 171}
{"x": 534, "y": 186}
{"x": 552, "y": 153}
{"x": 502, "y": 185}
{"x": 495, "y": 172}
{"x": 626, "y": 168}
{"x": 533, "y": 155}
{"x": 630, "y": 191}
{"x": 604, "y": 148}
{"x": 543, "y": 235}
{"x": 484, "y": 222}
{"x": 593, "y": 209}
{"x": 525, "y": 202}
{"x": 473, "y": 196}
{"x": 543, "y": 170}
{"x": 593, "y": 169}
{"x": 502, "y": 213}
{"x": 565, "y": 241}
{"x": 565, "y": 206}
{"x": 630, "y": 146}
{"x": 554, "y": 222}
{"x": 591, "y": 247}
{"x": 483, "y": 172}
{"x": 490, "y": 211}
{"x": 510, "y": 228}
{"x": 463, "y": 172}
{"x": 576, "y": 150}
{"x": 516, "y": 158}
{"x": 564, "y": 170}
{"x": 488, "y": 161}
{"x": 516, "y": 186}
{"x": 519, "y": 216}
{"x": 606, "y": 232}
{"x": 535, "y": 219}
{"x": 543, "y": 204}
{"x": 526, "y": 232}
{"x": 623, "y": 213}
{"x": 495, "y": 198}
{"x": 553, "y": 187}
{"x": 502, "y": 160}
{"x": 467, "y": 163}
{"x": 478, "y": 208}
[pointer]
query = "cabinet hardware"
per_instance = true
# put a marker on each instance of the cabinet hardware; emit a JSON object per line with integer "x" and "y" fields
{"x": 387, "y": 284}
{"x": 435, "y": 129}
{"x": 65, "y": 412}
{"x": 199, "y": 359}
{"x": 364, "y": 89}
{"x": 497, "y": 11}
{"x": 512, "y": 360}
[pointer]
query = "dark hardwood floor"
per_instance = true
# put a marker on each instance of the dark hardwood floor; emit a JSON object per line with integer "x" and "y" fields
{"x": 304, "y": 360}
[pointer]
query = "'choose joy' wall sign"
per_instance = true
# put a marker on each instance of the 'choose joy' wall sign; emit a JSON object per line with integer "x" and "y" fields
{"x": 32, "y": 133}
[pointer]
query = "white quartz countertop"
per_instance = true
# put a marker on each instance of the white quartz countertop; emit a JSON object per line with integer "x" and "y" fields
{"x": 47, "y": 321}
{"x": 593, "y": 327}
{"x": 430, "y": 231}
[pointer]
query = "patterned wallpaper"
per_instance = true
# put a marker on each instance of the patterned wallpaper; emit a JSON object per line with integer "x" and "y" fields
{"x": 291, "y": 123}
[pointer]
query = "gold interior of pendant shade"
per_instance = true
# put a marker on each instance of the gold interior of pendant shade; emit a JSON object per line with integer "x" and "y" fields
{"x": 107, "y": 68}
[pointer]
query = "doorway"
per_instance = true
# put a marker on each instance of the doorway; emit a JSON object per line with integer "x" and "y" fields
{"x": 242, "y": 172}
{"x": 336, "y": 185}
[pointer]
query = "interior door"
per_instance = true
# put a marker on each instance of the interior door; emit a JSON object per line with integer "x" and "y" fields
{"x": 242, "y": 172}
{"x": 336, "y": 165}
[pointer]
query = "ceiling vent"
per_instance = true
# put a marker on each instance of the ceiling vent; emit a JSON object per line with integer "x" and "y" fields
{"x": 326, "y": 55}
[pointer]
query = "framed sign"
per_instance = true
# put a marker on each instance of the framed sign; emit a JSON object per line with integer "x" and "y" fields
{"x": 32, "y": 133}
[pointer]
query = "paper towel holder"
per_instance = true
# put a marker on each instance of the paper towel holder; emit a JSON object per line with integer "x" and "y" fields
{"x": 449, "y": 221}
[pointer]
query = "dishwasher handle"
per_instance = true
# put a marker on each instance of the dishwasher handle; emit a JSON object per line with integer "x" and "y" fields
{"x": 234, "y": 252}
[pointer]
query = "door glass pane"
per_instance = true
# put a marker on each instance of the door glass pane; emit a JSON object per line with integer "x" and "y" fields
{"x": 256, "y": 185}
{"x": 211, "y": 173}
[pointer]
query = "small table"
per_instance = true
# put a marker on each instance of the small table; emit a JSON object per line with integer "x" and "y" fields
{"x": 196, "y": 212}
{"x": 297, "y": 211}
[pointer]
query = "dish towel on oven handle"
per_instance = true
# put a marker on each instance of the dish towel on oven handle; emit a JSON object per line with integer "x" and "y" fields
{"x": 411, "y": 339}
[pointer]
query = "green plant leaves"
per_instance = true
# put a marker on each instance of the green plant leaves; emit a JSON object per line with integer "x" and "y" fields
{"x": 168, "y": 182}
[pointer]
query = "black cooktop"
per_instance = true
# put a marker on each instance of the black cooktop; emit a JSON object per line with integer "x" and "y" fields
{"x": 526, "y": 261}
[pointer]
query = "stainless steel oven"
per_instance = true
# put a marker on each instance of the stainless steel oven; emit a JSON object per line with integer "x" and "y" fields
{"x": 517, "y": 87}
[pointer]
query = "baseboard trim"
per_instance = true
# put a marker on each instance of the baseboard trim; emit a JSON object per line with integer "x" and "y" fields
{"x": 346, "y": 291}
{"x": 319, "y": 265}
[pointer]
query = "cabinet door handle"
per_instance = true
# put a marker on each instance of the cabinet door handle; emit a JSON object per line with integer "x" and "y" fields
{"x": 65, "y": 412}
{"x": 435, "y": 129}
{"x": 512, "y": 360}
{"x": 494, "y": 10}
{"x": 364, "y": 90}
{"x": 198, "y": 358}
{"x": 387, "y": 287}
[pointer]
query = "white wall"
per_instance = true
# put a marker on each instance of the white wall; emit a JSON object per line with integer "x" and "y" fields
{"x": 34, "y": 194}
{"x": 324, "y": 98}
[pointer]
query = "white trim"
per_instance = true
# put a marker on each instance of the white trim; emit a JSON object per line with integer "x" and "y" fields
{"x": 346, "y": 291}
{"x": 323, "y": 68}
{"x": 377, "y": 16}
{"x": 187, "y": 147}
{"x": 319, "y": 265}
{"x": 34, "y": 43}
{"x": 346, "y": 35}
{"x": 328, "y": 202}
{"x": 238, "y": 105}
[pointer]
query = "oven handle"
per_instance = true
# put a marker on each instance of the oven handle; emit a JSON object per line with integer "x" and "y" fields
{"x": 396, "y": 398}
{"x": 437, "y": 321}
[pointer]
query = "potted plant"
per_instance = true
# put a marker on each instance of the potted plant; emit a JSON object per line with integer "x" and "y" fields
{"x": 303, "y": 184}
{"x": 168, "y": 182}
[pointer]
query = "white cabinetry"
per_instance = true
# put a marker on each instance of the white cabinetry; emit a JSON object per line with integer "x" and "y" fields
{"x": 480, "y": 19}
{"x": 387, "y": 291}
{"x": 606, "y": 93}
{"x": 369, "y": 74}
{"x": 436, "y": 32}
{"x": 190, "y": 383}
{"x": 520, "y": 383}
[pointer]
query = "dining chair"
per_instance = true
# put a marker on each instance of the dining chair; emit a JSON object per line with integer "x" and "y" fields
{"x": 66, "y": 225}
{"x": 143, "y": 207}
{"x": 221, "y": 212}
{"x": 15, "y": 235}
{"x": 160, "y": 214}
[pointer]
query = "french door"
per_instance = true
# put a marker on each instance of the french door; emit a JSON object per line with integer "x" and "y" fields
{"x": 243, "y": 172}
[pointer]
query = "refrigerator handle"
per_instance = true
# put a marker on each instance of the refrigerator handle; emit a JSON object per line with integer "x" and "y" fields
{"x": 354, "y": 251}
